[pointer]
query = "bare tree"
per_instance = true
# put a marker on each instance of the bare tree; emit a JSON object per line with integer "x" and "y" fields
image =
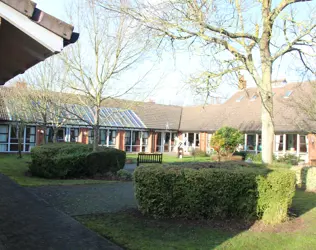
{"x": 250, "y": 37}
{"x": 109, "y": 46}
{"x": 44, "y": 95}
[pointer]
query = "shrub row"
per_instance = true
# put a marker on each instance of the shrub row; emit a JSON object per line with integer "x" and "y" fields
{"x": 306, "y": 177}
{"x": 213, "y": 193}
{"x": 69, "y": 160}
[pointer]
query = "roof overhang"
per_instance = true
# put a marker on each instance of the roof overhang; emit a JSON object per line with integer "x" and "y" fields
{"x": 28, "y": 36}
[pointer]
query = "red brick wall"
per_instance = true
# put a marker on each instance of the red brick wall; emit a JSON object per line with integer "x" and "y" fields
{"x": 150, "y": 142}
{"x": 83, "y": 138}
{"x": 311, "y": 147}
{"x": 203, "y": 141}
{"x": 120, "y": 140}
{"x": 39, "y": 135}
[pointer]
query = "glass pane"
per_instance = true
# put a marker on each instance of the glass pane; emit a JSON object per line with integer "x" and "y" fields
{"x": 3, "y": 147}
{"x": 291, "y": 142}
{"x": 14, "y": 132}
{"x": 32, "y": 138}
{"x": 14, "y": 147}
{"x": 3, "y": 138}
{"x": 4, "y": 129}
{"x": 33, "y": 130}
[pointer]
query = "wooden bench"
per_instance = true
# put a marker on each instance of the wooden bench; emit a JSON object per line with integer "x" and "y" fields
{"x": 149, "y": 158}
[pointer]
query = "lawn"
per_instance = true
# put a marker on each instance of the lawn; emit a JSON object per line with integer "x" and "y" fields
{"x": 133, "y": 231}
{"x": 16, "y": 168}
{"x": 167, "y": 158}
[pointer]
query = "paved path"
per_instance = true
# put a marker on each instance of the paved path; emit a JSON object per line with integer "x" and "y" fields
{"x": 130, "y": 167}
{"x": 87, "y": 199}
{"x": 29, "y": 223}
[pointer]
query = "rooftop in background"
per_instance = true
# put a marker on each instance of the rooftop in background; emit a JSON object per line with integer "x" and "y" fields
{"x": 244, "y": 115}
{"x": 29, "y": 36}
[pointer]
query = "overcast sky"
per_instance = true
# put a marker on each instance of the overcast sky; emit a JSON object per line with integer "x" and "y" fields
{"x": 174, "y": 69}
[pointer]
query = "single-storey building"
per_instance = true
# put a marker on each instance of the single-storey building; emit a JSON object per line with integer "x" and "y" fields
{"x": 150, "y": 127}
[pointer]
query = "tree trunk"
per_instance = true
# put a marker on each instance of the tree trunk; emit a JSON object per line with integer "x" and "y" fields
{"x": 20, "y": 139}
{"x": 55, "y": 135}
{"x": 266, "y": 86}
{"x": 96, "y": 129}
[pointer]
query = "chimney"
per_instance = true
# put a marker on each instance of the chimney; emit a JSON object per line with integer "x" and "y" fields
{"x": 151, "y": 101}
{"x": 279, "y": 83}
{"x": 21, "y": 85}
{"x": 242, "y": 83}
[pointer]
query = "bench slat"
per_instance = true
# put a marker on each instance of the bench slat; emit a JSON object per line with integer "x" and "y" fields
{"x": 149, "y": 158}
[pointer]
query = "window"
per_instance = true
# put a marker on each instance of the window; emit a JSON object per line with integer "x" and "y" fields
{"x": 166, "y": 142}
{"x": 254, "y": 97}
{"x": 14, "y": 139}
{"x": 303, "y": 147}
{"x": 291, "y": 142}
{"x": 112, "y": 137}
{"x": 240, "y": 98}
{"x": 144, "y": 141}
{"x": 49, "y": 135}
{"x": 288, "y": 93}
{"x": 251, "y": 142}
{"x": 30, "y": 138}
{"x": 74, "y": 133}
{"x": 4, "y": 136}
{"x": 127, "y": 141}
{"x": 103, "y": 134}
{"x": 158, "y": 145}
{"x": 90, "y": 136}
{"x": 280, "y": 148}
{"x": 174, "y": 140}
{"x": 136, "y": 141}
{"x": 197, "y": 140}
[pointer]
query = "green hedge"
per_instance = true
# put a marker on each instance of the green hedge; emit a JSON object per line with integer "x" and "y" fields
{"x": 213, "y": 193}
{"x": 306, "y": 177}
{"x": 68, "y": 160}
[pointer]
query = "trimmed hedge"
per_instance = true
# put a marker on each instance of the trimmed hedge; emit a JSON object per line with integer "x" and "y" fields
{"x": 213, "y": 193}
{"x": 306, "y": 177}
{"x": 69, "y": 160}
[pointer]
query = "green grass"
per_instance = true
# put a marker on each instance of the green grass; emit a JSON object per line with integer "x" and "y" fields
{"x": 173, "y": 158}
{"x": 137, "y": 232}
{"x": 16, "y": 168}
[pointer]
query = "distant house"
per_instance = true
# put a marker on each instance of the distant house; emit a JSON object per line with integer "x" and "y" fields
{"x": 28, "y": 36}
{"x": 151, "y": 127}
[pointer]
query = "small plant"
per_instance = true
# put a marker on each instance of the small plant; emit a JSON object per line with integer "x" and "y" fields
{"x": 225, "y": 141}
{"x": 124, "y": 175}
{"x": 289, "y": 159}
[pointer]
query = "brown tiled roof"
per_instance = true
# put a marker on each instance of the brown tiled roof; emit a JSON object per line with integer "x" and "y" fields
{"x": 246, "y": 114}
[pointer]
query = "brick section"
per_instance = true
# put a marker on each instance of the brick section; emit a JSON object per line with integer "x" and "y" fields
{"x": 155, "y": 135}
{"x": 203, "y": 141}
{"x": 151, "y": 137}
{"x": 83, "y": 135}
{"x": 312, "y": 149}
{"x": 120, "y": 140}
{"x": 39, "y": 135}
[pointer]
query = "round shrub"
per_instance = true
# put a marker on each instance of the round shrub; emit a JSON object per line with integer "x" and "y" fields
{"x": 106, "y": 160}
{"x": 123, "y": 174}
{"x": 213, "y": 193}
{"x": 69, "y": 160}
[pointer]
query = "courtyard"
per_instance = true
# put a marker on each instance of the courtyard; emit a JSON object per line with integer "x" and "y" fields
{"x": 109, "y": 208}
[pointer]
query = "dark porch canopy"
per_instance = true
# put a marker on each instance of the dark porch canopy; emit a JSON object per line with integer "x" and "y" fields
{"x": 28, "y": 36}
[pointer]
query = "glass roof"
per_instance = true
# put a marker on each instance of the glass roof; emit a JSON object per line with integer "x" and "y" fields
{"x": 73, "y": 114}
